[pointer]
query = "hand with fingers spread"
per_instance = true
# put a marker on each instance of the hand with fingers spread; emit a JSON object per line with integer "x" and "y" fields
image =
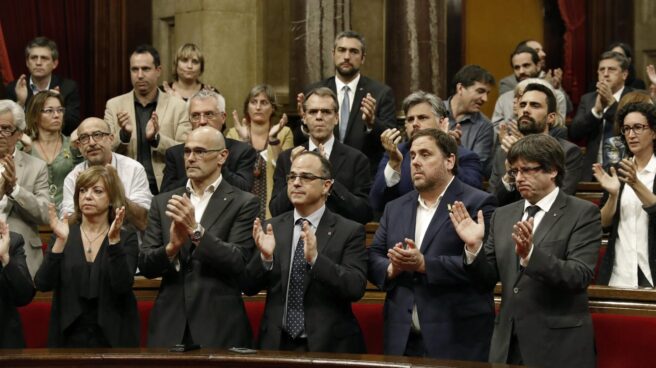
{"x": 114, "y": 234}
{"x": 4, "y": 243}
{"x": 390, "y": 139}
{"x": 407, "y": 258}
{"x": 273, "y": 132}
{"x": 470, "y": 232}
{"x": 152, "y": 127}
{"x": 59, "y": 228}
{"x": 168, "y": 89}
{"x": 628, "y": 172}
{"x": 241, "y": 126}
{"x": 456, "y": 133}
{"x": 610, "y": 183}
{"x": 309, "y": 242}
{"x": 368, "y": 109}
{"x": 123, "y": 120}
{"x": 264, "y": 241}
{"x": 21, "y": 90}
{"x": 523, "y": 237}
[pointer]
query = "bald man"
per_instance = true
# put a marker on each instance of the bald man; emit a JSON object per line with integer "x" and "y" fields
{"x": 199, "y": 238}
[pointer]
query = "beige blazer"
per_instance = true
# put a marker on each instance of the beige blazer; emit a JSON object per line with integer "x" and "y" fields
{"x": 173, "y": 127}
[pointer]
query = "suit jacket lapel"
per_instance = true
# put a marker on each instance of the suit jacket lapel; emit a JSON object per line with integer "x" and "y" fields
{"x": 359, "y": 94}
{"x": 337, "y": 156}
{"x": 453, "y": 192}
{"x": 218, "y": 202}
{"x": 283, "y": 229}
{"x": 550, "y": 218}
{"x": 21, "y": 176}
{"x": 323, "y": 234}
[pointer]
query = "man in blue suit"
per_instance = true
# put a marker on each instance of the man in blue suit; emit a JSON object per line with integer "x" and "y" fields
{"x": 422, "y": 111}
{"x": 431, "y": 307}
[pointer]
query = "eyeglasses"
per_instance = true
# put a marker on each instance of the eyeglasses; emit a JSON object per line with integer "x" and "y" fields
{"x": 315, "y": 112}
{"x": 305, "y": 177}
{"x": 637, "y": 129}
{"x": 524, "y": 171}
{"x": 50, "y": 111}
{"x": 7, "y": 131}
{"x": 97, "y": 136}
{"x": 199, "y": 152}
{"x": 197, "y": 116}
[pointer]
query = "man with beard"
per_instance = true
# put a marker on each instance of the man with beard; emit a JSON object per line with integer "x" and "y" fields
{"x": 422, "y": 111}
{"x": 538, "y": 109}
{"x": 366, "y": 107}
{"x": 471, "y": 86}
{"x": 431, "y": 307}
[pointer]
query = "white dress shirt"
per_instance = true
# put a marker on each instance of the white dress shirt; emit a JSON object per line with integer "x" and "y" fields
{"x": 200, "y": 202}
{"x": 327, "y": 147}
{"x": 352, "y": 85}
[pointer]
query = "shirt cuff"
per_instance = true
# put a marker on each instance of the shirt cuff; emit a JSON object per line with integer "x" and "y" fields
{"x": 595, "y": 114}
{"x": 155, "y": 141}
{"x": 124, "y": 137}
{"x": 14, "y": 192}
{"x": 471, "y": 256}
{"x": 268, "y": 265}
{"x": 391, "y": 177}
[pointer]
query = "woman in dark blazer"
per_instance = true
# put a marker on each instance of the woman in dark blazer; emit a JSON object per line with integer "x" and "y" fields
{"x": 90, "y": 267}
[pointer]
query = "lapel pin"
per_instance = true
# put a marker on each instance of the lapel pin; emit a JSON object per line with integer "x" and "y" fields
{"x": 448, "y": 207}
{"x": 330, "y": 233}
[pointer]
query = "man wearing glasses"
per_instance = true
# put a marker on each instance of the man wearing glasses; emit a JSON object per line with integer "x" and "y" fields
{"x": 23, "y": 185}
{"x": 198, "y": 241}
{"x": 94, "y": 140}
{"x": 537, "y": 109}
{"x": 207, "y": 108}
{"x": 312, "y": 264}
{"x": 349, "y": 194}
{"x": 543, "y": 249}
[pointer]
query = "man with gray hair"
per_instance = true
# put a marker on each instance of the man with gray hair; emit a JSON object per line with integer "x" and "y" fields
{"x": 422, "y": 110}
{"x": 23, "y": 185}
{"x": 207, "y": 108}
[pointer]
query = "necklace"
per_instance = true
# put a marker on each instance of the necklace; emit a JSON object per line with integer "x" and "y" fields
{"x": 45, "y": 154}
{"x": 89, "y": 240}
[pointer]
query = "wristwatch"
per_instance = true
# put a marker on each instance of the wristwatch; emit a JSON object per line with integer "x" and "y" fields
{"x": 197, "y": 234}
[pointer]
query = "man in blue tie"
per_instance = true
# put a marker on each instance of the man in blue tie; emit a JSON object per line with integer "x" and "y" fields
{"x": 312, "y": 264}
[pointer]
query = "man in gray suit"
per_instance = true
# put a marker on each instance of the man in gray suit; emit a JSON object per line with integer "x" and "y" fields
{"x": 543, "y": 249}
{"x": 23, "y": 185}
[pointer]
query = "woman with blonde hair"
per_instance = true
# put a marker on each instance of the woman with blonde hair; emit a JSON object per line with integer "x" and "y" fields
{"x": 268, "y": 139}
{"x": 188, "y": 66}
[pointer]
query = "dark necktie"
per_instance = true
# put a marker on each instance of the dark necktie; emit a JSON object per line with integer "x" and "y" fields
{"x": 295, "y": 319}
{"x": 532, "y": 210}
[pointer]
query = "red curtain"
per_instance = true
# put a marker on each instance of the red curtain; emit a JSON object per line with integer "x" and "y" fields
{"x": 67, "y": 22}
{"x": 6, "y": 74}
{"x": 573, "y": 13}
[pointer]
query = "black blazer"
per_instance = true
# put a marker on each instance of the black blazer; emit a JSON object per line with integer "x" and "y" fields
{"x": 16, "y": 290}
{"x": 117, "y": 306}
{"x": 585, "y": 125}
{"x": 70, "y": 95}
{"x": 238, "y": 169}
{"x": 337, "y": 279}
{"x": 204, "y": 293}
{"x": 349, "y": 196}
{"x": 356, "y": 130}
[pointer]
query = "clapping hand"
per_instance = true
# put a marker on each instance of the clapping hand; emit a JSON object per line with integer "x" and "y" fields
{"x": 265, "y": 241}
{"x": 114, "y": 234}
{"x": 241, "y": 126}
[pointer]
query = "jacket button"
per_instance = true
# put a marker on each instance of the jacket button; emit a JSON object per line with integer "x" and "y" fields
{"x": 516, "y": 290}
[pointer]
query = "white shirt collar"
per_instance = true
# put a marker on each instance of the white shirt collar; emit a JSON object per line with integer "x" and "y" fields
{"x": 314, "y": 217}
{"x": 618, "y": 95}
{"x": 35, "y": 88}
{"x": 327, "y": 146}
{"x": 651, "y": 166}
{"x": 546, "y": 202}
{"x": 339, "y": 85}
{"x": 210, "y": 188}
{"x": 425, "y": 205}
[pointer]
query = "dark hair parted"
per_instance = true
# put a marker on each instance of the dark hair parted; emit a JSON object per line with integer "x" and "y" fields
{"x": 443, "y": 141}
{"x": 270, "y": 95}
{"x": 648, "y": 110}
{"x": 113, "y": 186}
{"x": 42, "y": 42}
{"x": 34, "y": 110}
{"x": 470, "y": 74}
{"x": 542, "y": 149}
{"x": 148, "y": 49}
{"x": 621, "y": 59}
{"x": 322, "y": 92}
{"x": 551, "y": 98}
{"x": 523, "y": 49}
{"x": 418, "y": 97}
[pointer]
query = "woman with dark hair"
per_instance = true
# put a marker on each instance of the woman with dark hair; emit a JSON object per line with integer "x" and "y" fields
{"x": 631, "y": 80}
{"x": 629, "y": 208}
{"x": 45, "y": 119}
{"x": 267, "y": 138}
{"x": 90, "y": 267}
{"x": 188, "y": 66}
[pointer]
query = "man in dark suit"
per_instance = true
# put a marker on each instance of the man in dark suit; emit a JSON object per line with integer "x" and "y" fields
{"x": 366, "y": 107}
{"x": 538, "y": 112}
{"x": 595, "y": 116}
{"x": 41, "y": 58}
{"x": 16, "y": 287}
{"x": 350, "y": 189}
{"x": 207, "y": 108}
{"x": 199, "y": 240}
{"x": 313, "y": 265}
{"x": 422, "y": 111}
{"x": 543, "y": 249}
{"x": 431, "y": 308}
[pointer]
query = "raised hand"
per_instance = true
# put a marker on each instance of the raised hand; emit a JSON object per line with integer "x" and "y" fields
{"x": 152, "y": 127}
{"x": 4, "y": 243}
{"x": 241, "y": 126}
{"x": 123, "y": 119}
{"x": 610, "y": 183}
{"x": 651, "y": 73}
{"x": 168, "y": 89}
{"x": 390, "y": 139}
{"x": 523, "y": 237}
{"x": 273, "y": 132}
{"x": 59, "y": 226}
{"x": 300, "y": 99}
{"x": 407, "y": 258}
{"x": 368, "y": 108}
{"x": 21, "y": 90}
{"x": 9, "y": 174}
{"x": 114, "y": 234}
{"x": 456, "y": 133}
{"x": 265, "y": 241}
{"x": 628, "y": 172}
{"x": 296, "y": 151}
{"x": 470, "y": 232}
{"x": 181, "y": 211}
{"x": 309, "y": 242}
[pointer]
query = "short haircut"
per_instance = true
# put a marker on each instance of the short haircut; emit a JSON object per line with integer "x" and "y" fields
{"x": 16, "y": 111}
{"x": 525, "y": 50}
{"x": 418, "y": 97}
{"x": 268, "y": 92}
{"x": 148, "y": 49}
{"x": 551, "y": 98}
{"x": 351, "y": 34}
{"x": 42, "y": 42}
{"x": 322, "y": 92}
{"x": 470, "y": 74}
{"x": 648, "y": 110}
{"x": 34, "y": 110}
{"x": 444, "y": 142}
{"x": 612, "y": 55}
{"x": 113, "y": 186}
{"x": 188, "y": 51}
{"x": 326, "y": 167}
{"x": 205, "y": 93}
{"x": 542, "y": 149}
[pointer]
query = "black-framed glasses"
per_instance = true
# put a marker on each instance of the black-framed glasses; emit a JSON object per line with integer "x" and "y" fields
{"x": 524, "y": 171}
{"x": 304, "y": 177}
{"x": 315, "y": 112}
{"x": 636, "y": 128}
{"x": 197, "y": 116}
{"x": 7, "y": 131}
{"x": 199, "y": 152}
{"x": 51, "y": 111}
{"x": 97, "y": 136}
